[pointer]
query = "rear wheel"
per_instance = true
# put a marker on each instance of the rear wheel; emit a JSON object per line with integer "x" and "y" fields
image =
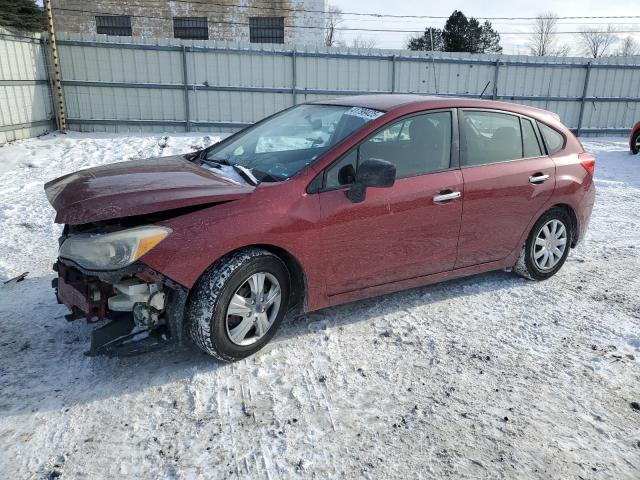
{"x": 635, "y": 143}
{"x": 237, "y": 306}
{"x": 547, "y": 246}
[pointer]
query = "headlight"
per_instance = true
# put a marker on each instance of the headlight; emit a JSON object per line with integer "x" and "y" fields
{"x": 111, "y": 251}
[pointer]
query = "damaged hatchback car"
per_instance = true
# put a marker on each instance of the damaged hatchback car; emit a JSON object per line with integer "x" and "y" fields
{"x": 321, "y": 204}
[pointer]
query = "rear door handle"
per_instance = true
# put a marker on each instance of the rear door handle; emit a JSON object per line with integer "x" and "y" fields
{"x": 538, "y": 178}
{"x": 445, "y": 197}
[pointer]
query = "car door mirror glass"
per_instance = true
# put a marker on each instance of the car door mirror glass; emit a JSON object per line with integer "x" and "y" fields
{"x": 371, "y": 173}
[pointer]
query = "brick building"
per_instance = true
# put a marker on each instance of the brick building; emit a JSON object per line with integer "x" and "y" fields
{"x": 257, "y": 21}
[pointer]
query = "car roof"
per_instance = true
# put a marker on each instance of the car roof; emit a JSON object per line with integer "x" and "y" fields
{"x": 387, "y": 102}
{"x": 382, "y": 101}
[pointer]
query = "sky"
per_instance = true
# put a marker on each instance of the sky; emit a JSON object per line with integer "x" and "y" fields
{"x": 512, "y": 44}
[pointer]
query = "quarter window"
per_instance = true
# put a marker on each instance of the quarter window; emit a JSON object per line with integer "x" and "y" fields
{"x": 553, "y": 139}
{"x": 343, "y": 172}
{"x": 530, "y": 145}
{"x": 416, "y": 145}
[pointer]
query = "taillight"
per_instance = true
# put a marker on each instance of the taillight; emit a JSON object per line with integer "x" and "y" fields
{"x": 588, "y": 161}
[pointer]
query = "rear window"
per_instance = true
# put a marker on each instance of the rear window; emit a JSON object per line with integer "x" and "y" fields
{"x": 552, "y": 139}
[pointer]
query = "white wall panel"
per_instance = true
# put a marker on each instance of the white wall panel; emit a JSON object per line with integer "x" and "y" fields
{"x": 112, "y": 84}
{"x": 25, "y": 102}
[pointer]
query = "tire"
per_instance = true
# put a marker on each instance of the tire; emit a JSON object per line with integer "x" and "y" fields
{"x": 635, "y": 143}
{"x": 527, "y": 266}
{"x": 217, "y": 332}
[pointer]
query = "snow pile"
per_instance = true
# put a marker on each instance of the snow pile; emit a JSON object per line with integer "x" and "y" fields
{"x": 488, "y": 376}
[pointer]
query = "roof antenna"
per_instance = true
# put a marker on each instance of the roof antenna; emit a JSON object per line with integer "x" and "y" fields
{"x": 485, "y": 88}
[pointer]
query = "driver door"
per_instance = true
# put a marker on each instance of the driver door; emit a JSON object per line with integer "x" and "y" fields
{"x": 399, "y": 232}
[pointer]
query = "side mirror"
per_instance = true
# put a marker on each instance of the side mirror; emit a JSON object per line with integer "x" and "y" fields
{"x": 347, "y": 175}
{"x": 371, "y": 173}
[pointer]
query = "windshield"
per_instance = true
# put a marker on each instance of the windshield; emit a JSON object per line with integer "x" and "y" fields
{"x": 283, "y": 145}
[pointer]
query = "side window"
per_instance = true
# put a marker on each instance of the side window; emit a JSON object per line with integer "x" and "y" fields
{"x": 553, "y": 139}
{"x": 391, "y": 134}
{"x": 489, "y": 137}
{"x": 530, "y": 145}
{"x": 415, "y": 145}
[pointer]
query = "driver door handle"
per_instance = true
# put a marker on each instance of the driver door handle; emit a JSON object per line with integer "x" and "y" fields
{"x": 445, "y": 197}
{"x": 538, "y": 178}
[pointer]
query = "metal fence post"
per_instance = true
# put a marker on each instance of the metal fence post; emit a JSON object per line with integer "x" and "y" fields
{"x": 185, "y": 81}
{"x": 52, "y": 96}
{"x": 585, "y": 88}
{"x": 294, "y": 80}
{"x": 393, "y": 73}
{"x": 495, "y": 79}
{"x": 57, "y": 76}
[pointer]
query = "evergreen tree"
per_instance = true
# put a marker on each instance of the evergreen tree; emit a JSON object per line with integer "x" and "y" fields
{"x": 424, "y": 42}
{"x": 490, "y": 39}
{"x": 462, "y": 34}
{"x": 455, "y": 32}
{"x": 21, "y": 15}
{"x": 474, "y": 36}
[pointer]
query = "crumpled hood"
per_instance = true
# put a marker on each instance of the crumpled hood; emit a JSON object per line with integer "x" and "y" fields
{"x": 138, "y": 187}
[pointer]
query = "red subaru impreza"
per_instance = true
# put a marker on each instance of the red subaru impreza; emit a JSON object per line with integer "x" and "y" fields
{"x": 320, "y": 204}
{"x": 634, "y": 139}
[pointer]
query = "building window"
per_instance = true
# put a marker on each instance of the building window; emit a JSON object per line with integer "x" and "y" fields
{"x": 114, "y": 25}
{"x": 194, "y": 28}
{"x": 266, "y": 29}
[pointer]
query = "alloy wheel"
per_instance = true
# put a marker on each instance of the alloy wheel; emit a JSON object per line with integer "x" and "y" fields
{"x": 253, "y": 308}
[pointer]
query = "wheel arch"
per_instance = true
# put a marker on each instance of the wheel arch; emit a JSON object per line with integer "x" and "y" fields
{"x": 298, "y": 278}
{"x": 575, "y": 226}
{"x": 570, "y": 211}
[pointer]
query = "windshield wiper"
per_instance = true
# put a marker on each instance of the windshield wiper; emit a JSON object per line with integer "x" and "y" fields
{"x": 215, "y": 162}
{"x": 191, "y": 156}
{"x": 245, "y": 173}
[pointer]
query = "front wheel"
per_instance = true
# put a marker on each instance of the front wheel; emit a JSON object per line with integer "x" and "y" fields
{"x": 547, "y": 246}
{"x": 237, "y": 305}
{"x": 635, "y": 143}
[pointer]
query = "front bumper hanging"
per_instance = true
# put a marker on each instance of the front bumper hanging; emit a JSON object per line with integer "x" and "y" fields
{"x": 144, "y": 309}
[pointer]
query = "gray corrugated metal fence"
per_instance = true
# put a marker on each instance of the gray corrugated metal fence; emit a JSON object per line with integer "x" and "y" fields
{"x": 122, "y": 84}
{"x": 25, "y": 95}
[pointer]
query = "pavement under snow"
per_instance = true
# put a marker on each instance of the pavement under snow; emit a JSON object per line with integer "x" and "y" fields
{"x": 488, "y": 376}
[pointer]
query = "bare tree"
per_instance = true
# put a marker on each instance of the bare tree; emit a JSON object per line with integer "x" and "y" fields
{"x": 363, "y": 42}
{"x": 596, "y": 41}
{"x": 333, "y": 18}
{"x": 543, "y": 40}
{"x": 628, "y": 48}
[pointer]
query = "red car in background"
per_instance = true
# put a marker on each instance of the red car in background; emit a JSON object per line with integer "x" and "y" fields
{"x": 321, "y": 204}
{"x": 634, "y": 139}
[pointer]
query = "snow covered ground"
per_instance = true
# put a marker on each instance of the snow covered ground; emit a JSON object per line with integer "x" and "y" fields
{"x": 489, "y": 376}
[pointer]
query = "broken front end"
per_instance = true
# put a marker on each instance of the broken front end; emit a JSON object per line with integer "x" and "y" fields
{"x": 100, "y": 278}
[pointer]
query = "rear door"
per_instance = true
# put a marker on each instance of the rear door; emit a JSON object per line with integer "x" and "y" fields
{"x": 400, "y": 232}
{"x": 507, "y": 179}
